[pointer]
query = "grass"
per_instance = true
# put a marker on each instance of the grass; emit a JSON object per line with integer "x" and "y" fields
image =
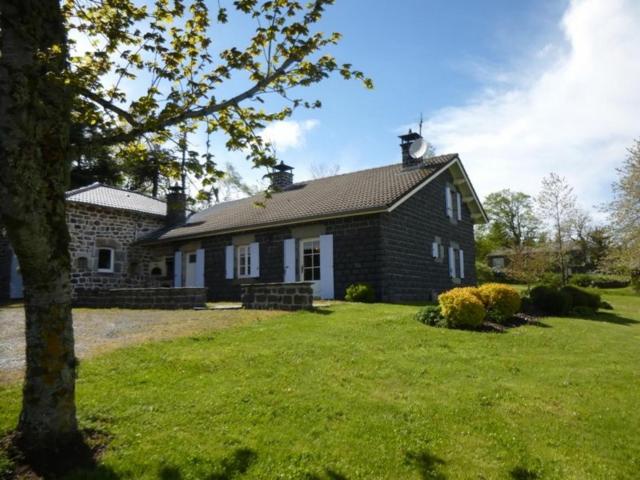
{"x": 364, "y": 391}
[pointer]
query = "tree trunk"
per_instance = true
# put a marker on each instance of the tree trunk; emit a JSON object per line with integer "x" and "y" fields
{"x": 34, "y": 172}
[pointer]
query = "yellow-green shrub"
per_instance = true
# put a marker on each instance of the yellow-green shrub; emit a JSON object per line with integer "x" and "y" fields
{"x": 501, "y": 301}
{"x": 461, "y": 308}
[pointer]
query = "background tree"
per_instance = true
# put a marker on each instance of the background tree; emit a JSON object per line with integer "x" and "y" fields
{"x": 322, "y": 170}
{"x": 512, "y": 213}
{"x": 557, "y": 205}
{"x": 624, "y": 214}
{"x": 150, "y": 69}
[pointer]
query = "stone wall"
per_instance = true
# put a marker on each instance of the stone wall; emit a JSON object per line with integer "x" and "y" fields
{"x": 5, "y": 266}
{"x": 409, "y": 271}
{"x": 277, "y": 296}
{"x": 155, "y": 298}
{"x": 92, "y": 227}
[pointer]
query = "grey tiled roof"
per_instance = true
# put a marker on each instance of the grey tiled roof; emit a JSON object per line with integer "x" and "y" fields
{"x": 358, "y": 192}
{"x": 106, "y": 196}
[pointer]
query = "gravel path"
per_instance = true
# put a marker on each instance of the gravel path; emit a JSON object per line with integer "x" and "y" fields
{"x": 97, "y": 331}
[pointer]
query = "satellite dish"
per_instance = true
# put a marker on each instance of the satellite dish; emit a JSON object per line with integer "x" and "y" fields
{"x": 418, "y": 148}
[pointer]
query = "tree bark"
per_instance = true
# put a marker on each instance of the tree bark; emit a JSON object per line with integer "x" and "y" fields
{"x": 34, "y": 173}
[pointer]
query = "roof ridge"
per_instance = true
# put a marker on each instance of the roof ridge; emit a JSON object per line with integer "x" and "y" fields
{"x": 95, "y": 185}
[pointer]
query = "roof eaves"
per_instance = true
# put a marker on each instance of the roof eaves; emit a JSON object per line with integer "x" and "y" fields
{"x": 214, "y": 233}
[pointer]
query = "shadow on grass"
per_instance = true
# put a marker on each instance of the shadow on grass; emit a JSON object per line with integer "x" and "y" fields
{"x": 233, "y": 466}
{"x": 322, "y": 311}
{"x": 427, "y": 464}
{"x": 328, "y": 474}
{"x": 523, "y": 473}
{"x": 608, "y": 317}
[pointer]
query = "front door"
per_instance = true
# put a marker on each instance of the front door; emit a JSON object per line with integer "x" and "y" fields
{"x": 15, "y": 287}
{"x": 310, "y": 263}
{"x": 191, "y": 271}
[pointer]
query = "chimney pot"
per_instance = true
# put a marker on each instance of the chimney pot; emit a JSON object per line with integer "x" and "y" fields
{"x": 281, "y": 176}
{"x": 176, "y": 206}
{"x": 405, "y": 142}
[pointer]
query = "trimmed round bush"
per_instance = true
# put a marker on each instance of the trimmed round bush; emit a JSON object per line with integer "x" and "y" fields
{"x": 360, "y": 292}
{"x": 582, "y": 298}
{"x": 431, "y": 315}
{"x": 461, "y": 308}
{"x": 550, "y": 300}
{"x": 501, "y": 301}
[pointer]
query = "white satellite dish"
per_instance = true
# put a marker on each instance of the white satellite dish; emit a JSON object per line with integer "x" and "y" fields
{"x": 418, "y": 148}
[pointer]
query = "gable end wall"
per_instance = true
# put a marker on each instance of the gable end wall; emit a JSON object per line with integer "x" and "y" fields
{"x": 409, "y": 272}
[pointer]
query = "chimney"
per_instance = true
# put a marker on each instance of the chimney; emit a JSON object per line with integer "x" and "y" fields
{"x": 281, "y": 176}
{"x": 405, "y": 142}
{"x": 176, "y": 206}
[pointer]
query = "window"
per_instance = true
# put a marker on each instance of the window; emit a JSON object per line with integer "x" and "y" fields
{"x": 105, "y": 260}
{"x": 497, "y": 262}
{"x": 437, "y": 250}
{"x": 82, "y": 263}
{"x": 310, "y": 260}
{"x": 193, "y": 258}
{"x": 244, "y": 261}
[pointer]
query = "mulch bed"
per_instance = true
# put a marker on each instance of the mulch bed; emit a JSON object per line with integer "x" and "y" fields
{"x": 518, "y": 320}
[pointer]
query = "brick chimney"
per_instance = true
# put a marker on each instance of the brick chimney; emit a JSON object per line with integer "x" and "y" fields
{"x": 176, "y": 206}
{"x": 405, "y": 142}
{"x": 281, "y": 176}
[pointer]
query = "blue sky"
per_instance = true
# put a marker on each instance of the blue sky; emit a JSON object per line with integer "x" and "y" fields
{"x": 518, "y": 88}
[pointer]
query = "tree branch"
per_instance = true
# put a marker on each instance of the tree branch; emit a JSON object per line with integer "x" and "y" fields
{"x": 139, "y": 129}
{"x": 107, "y": 105}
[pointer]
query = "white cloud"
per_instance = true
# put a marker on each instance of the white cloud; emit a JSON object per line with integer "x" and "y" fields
{"x": 576, "y": 116}
{"x": 288, "y": 134}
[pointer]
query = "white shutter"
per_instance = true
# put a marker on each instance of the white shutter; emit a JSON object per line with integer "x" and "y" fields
{"x": 434, "y": 249}
{"x": 228, "y": 261}
{"x": 452, "y": 263}
{"x": 289, "y": 260}
{"x": 254, "y": 253}
{"x": 459, "y": 206}
{"x": 326, "y": 266}
{"x": 447, "y": 197}
{"x": 177, "y": 269}
{"x": 200, "y": 267}
{"x": 461, "y": 264}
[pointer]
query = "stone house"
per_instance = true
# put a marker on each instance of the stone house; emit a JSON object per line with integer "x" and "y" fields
{"x": 406, "y": 229}
{"x": 104, "y": 224}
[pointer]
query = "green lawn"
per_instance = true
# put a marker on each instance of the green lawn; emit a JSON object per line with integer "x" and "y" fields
{"x": 367, "y": 392}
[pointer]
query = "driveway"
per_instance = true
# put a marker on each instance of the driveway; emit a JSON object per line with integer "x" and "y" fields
{"x": 98, "y": 331}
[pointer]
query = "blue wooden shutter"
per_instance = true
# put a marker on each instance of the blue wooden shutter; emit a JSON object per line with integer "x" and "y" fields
{"x": 177, "y": 269}
{"x": 228, "y": 263}
{"x": 254, "y": 253}
{"x": 200, "y": 267}
{"x": 289, "y": 260}
{"x": 326, "y": 266}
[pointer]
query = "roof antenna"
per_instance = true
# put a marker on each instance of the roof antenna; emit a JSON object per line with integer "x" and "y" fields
{"x": 420, "y": 130}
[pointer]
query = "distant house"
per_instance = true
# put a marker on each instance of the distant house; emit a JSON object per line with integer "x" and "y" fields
{"x": 500, "y": 259}
{"x": 406, "y": 229}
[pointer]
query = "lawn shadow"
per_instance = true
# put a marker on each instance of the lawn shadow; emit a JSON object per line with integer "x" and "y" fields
{"x": 427, "y": 464}
{"x": 78, "y": 458}
{"x": 523, "y": 473}
{"x": 233, "y": 466}
{"x": 328, "y": 474}
{"x": 608, "y": 317}
{"x": 322, "y": 310}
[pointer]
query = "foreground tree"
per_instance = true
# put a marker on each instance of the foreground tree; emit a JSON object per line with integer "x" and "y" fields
{"x": 54, "y": 106}
{"x": 557, "y": 205}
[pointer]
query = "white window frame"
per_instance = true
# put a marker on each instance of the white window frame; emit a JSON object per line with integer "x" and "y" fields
{"x": 318, "y": 266}
{"x": 111, "y": 263}
{"x": 246, "y": 251}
